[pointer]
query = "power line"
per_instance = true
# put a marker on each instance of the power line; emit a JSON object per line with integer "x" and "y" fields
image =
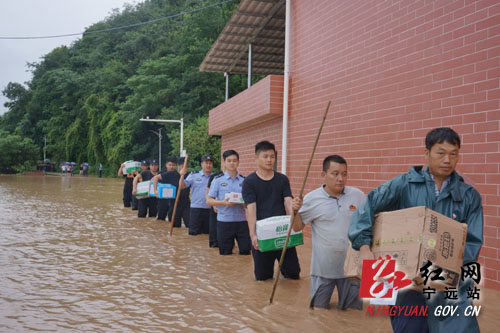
{"x": 121, "y": 27}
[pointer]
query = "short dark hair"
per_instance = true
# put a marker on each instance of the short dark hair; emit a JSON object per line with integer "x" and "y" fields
{"x": 230, "y": 152}
{"x": 440, "y": 135}
{"x": 263, "y": 146}
{"x": 171, "y": 159}
{"x": 333, "y": 158}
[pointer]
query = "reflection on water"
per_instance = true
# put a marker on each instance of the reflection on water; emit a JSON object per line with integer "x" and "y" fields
{"x": 73, "y": 259}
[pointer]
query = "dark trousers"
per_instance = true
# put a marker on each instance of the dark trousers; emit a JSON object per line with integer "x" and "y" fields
{"x": 100, "y": 173}
{"x": 199, "y": 221}
{"x": 264, "y": 264}
{"x": 212, "y": 229}
{"x": 163, "y": 208}
{"x": 227, "y": 232}
{"x": 127, "y": 193}
{"x": 135, "y": 203}
{"x": 411, "y": 324}
{"x": 183, "y": 212}
{"x": 147, "y": 204}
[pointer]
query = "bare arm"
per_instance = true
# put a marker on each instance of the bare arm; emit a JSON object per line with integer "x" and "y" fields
{"x": 136, "y": 180}
{"x": 182, "y": 185}
{"x": 207, "y": 200}
{"x": 120, "y": 171}
{"x": 155, "y": 184}
{"x": 298, "y": 224}
{"x": 289, "y": 205}
{"x": 214, "y": 202}
{"x": 251, "y": 213}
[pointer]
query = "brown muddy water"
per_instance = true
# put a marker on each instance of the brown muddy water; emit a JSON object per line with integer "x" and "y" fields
{"x": 73, "y": 259}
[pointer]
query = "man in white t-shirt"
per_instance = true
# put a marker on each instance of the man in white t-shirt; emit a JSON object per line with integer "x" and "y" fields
{"x": 329, "y": 209}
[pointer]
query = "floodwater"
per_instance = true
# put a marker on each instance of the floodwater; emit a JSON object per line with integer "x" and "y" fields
{"x": 73, "y": 259}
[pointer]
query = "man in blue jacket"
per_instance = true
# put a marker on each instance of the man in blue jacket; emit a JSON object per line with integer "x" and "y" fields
{"x": 442, "y": 189}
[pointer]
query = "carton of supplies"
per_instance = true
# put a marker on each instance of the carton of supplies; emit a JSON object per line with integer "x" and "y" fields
{"x": 144, "y": 189}
{"x": 234, "y": 197}
{"x": 412, "y": 237}
{"x": 131, "y": 166}
{"x": 272, "y": 232}
{"x": 166, "y": 191}
{"x": 151, "y": 189}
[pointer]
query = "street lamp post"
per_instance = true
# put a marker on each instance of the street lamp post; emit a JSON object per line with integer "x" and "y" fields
{"x": 181, "y": 122}
{"x": 159, "y": 146}
{"x": 45, "y": 148}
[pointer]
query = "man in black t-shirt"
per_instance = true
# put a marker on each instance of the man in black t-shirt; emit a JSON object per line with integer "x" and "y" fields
{"x": 147, "y": 203}
{"x": 164, "y": 204}
{"x": 172, "y": 177}
{"x": 267, "y": 193}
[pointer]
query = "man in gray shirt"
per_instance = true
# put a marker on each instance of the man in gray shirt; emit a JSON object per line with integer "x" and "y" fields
{"x": 329, "y": 209}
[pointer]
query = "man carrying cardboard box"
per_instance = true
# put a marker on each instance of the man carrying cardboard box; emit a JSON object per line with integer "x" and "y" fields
{"x": 231, "y": 220}
{"x": 148, "y": 205}
{"x": 164, "y": 204}
{"x": 267, "y": 193}
{"x": 443, "y": 190}
{"x": 329, "y": 209}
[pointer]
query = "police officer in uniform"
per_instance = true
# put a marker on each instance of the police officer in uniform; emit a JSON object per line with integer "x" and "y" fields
{"x": 231, "y": 220}
{"x": 200, "y": 211}
{"x": 147, "y": 204}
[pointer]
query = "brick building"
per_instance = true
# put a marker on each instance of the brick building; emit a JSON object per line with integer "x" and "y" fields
{"x": 392, "y": 69}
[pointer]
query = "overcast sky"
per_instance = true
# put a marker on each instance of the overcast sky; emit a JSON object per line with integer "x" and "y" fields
{"x": 42, "y": 18}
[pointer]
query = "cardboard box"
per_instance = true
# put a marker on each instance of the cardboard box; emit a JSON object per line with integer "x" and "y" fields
{"x": 271, "y": 234}
{"x": 166, "y": 191}
{"x": 145, "y": 190}
{"x": 412, "y": 237}
{"x": 131, "y": 166}
{"x": 234, "y": 197}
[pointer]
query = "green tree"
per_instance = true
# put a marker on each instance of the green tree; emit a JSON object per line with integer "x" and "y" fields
{"x": 197, "y": 142}
{"x": 16, "y": 154}
{"x": 87, "y": 98}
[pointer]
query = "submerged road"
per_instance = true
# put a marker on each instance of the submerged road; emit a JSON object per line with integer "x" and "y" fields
{"x": 73, "y": 259}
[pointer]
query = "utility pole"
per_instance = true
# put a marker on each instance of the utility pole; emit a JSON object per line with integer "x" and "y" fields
{"x": 159, "y": 146}
{"x": 45, "y": 148}
{"x": 181, "y": 122}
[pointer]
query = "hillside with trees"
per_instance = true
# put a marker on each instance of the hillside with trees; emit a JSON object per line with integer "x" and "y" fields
{"x": 87, "y": 98}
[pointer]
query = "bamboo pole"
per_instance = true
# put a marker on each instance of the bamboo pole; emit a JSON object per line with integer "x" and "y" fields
{"x": 292, "y": 218}
{"x": 181, "y": 180}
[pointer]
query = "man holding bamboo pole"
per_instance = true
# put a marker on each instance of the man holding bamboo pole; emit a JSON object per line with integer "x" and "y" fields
{"x": 328, "y": 210}
{"x": 266, "y": 194}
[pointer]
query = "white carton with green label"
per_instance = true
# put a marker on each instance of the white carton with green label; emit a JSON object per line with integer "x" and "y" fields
{"x": 272, "y": 232}
{"x": 145, "y": 189}
{"x": 131, "y": 166}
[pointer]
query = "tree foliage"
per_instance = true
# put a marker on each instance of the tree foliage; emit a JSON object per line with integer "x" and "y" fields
{"x": 16, "y": 154}
{"x": 87, "y": 98}
{"x": 197, "y": 142}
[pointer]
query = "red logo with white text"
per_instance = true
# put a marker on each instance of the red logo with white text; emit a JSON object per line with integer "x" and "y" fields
{"x": 375, "y": 272}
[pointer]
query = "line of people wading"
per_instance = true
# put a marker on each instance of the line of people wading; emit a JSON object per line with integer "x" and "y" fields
{"x": 337, "y": 213}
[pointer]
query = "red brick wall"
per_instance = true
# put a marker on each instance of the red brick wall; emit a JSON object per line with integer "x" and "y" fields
{"x": 394, "y": 70}
{"x": 261, "y": 102}
{"x": 244, "y": 143}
